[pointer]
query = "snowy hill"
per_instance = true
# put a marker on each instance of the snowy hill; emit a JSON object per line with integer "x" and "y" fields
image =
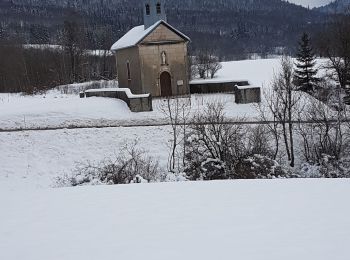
{"x": 238, "y": 26}
{"x": 245, "y": 220}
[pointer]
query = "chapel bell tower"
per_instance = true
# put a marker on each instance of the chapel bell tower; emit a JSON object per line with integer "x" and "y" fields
{"x": 153, "y": 11}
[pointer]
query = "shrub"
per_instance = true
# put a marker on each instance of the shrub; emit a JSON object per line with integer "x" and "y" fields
{"x": 216, "y": 150}
{"x": 327, "y": 167}
{"x": 261, "y": 167}
{"x": 131, "y": 166}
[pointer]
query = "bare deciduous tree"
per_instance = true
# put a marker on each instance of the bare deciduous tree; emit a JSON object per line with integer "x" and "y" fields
{"x": 334, "y": 43}
{"x": 325, "y": 132}
{"x": 282, "y": 103}
{"x": 220, "y": 150}
{"x": 72, "y": 40}
{"x": 265, "y": 110}
{"x": 207, "y": 64}
{"x": 213, "y": 145}
{"x": 20, "y": 70}
{"x": 177, "y": 111}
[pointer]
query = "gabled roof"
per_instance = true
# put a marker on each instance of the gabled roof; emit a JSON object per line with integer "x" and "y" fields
{"x": 138, "y": 33}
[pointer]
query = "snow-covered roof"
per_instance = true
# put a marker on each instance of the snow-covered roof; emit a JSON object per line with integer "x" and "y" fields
{"x": 247, "y": 87}
{"x": 220, "y": 80}
{"x": 138, "y": 33}
{"x": 216, "y": 81}
{"x": 126, "y": 90}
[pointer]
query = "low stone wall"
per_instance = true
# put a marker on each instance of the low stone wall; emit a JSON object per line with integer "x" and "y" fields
{"x": 141, "y": 103}
{"x": 247, "y": 95}
{"x": 215, "y": 87}
{"x": 244, "y": 92}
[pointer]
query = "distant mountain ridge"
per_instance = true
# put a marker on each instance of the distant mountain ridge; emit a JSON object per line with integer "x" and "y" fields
{"x": 338, "y": 6}
{"x": 234, "y": 27}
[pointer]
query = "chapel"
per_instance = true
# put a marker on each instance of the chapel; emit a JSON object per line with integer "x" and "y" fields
{"x": 152, "y": 58}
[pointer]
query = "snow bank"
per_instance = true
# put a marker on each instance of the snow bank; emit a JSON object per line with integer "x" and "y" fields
{"x": 245, "y": 220}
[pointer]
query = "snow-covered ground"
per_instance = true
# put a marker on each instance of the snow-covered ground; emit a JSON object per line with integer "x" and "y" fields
{"x": 33, "y": 159}
{"x": 59, "y": 110}
{"x": 55, "y": 109}
{"x": 245, "y": 220}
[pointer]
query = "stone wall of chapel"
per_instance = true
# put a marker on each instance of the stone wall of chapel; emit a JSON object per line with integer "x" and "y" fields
{"x": 152, "y": 67}
{"x": 130, "y": 55}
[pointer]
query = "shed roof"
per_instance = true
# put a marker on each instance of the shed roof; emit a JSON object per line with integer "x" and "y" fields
{"x": 138, "y": 33}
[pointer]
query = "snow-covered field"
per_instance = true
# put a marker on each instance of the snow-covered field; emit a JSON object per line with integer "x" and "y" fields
{"x": 59, "y": 110}
{"x": 54, "y": 109}
{"x": 33, "y": 159}
{"x": 245, "y": 220}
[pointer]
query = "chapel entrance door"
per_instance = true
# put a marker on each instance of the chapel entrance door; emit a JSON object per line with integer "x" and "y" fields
{"x": 165, "y": 84}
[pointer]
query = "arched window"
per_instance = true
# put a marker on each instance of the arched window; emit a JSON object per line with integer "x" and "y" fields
{"x": 159, "y": 9}
{"x": 148, "y": 9}
{"x": 128, "y": 70}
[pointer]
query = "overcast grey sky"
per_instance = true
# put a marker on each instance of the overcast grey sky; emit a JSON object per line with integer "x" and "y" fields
{"x": 311, "y": 3}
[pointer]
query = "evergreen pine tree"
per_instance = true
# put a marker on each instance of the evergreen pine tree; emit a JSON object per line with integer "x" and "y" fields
{"x": 305, "y": 74}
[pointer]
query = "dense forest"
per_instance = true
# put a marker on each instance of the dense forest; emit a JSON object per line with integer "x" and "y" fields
{"x": 237, "y": 27}
{"x": 338, "y": 6}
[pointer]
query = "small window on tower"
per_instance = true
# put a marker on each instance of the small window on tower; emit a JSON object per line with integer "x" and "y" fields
{"x": 159, "y": 9}
{"x": 148, "y": 9}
